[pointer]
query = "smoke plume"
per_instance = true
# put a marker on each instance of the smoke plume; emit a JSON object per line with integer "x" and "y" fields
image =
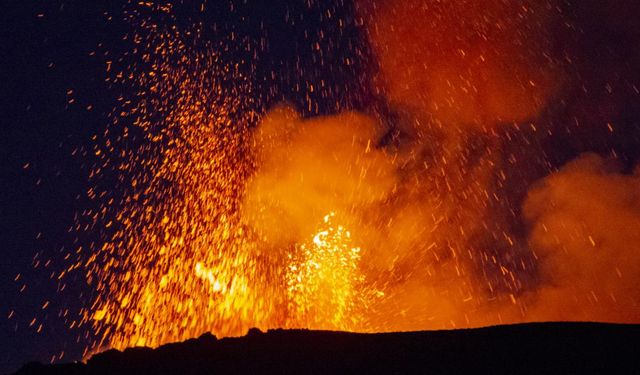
{"x": 585, "y": 228}
{"x": 422, "y": 193}
{"x": 466, "y": 63}
{"x": 412, "y": 215}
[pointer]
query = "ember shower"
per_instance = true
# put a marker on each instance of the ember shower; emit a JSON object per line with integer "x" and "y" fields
{"x": 388, "y": 175}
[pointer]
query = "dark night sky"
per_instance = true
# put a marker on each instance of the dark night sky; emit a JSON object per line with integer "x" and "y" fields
{"x": 46, "y": 62}
{"x": 43, "y": 58}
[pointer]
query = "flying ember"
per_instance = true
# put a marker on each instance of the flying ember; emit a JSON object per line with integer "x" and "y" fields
{"x": 222, "y": 208}
{"x": 324, "y": 284}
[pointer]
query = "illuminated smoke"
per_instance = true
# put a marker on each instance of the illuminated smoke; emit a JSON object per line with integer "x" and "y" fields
{"x": 411, "y": 218}
{"x": 468, "y": 63}
{"x": 585, "y": 227}
{"x": 307, "y": 168}
{"x": 233, "y": 216}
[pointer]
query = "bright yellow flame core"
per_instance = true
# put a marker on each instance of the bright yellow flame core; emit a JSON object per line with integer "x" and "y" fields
{"x": 323, "y": 280}
{"x": 229, "y": 294}
{"x": 181, "y": 259}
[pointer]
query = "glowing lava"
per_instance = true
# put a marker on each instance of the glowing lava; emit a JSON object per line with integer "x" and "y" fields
{"x": 209, "y": 202}
{"x": 324, "y": 283}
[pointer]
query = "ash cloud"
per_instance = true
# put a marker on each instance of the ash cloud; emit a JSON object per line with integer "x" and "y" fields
{"x": 585, "y": 229}
{"x": 466, "y": 63}
{"x": 410, "y": 218}
{"x": 439, "y": 196}
{"x": 309, "y": 168}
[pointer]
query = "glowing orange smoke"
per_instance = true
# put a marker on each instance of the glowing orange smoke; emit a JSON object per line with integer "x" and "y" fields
{"x": 466, "y": 63}
{"x": 585, "y": 221}
{"x": 331, "y": 222}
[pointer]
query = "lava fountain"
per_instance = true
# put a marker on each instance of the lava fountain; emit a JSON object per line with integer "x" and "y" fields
{"x": 229, "y": 215}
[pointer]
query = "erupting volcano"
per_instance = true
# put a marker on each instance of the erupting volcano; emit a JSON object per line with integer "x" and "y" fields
{"x": 369, "y": 166}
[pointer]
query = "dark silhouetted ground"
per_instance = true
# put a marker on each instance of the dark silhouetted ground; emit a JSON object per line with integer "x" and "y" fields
{"x": 538, "y": 348}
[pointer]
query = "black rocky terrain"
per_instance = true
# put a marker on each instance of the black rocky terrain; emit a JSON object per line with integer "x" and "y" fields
{"x": 538, "y": 348}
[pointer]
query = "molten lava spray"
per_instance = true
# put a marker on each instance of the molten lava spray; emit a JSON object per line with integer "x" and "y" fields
{"x": 233, "y": 216}
{"x": 177, "y": 261}
{"x": 324, "y": 283}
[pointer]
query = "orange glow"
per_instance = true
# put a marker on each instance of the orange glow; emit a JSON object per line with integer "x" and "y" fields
{"x": 233, "y": 218}
{"x": 178, "y": 261}
{"x": 324, "y": 282}
{"x": 466, "y": 63}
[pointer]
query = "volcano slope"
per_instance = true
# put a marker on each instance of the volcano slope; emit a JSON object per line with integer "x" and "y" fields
{"x": 534, "y": 348}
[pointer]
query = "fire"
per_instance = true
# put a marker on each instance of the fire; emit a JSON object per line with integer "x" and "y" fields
{"x": 180, "y": 259}
{"x": 177, "y": 261}
{"x": 324, "y": 282}
{"x": 217, "y": 226}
